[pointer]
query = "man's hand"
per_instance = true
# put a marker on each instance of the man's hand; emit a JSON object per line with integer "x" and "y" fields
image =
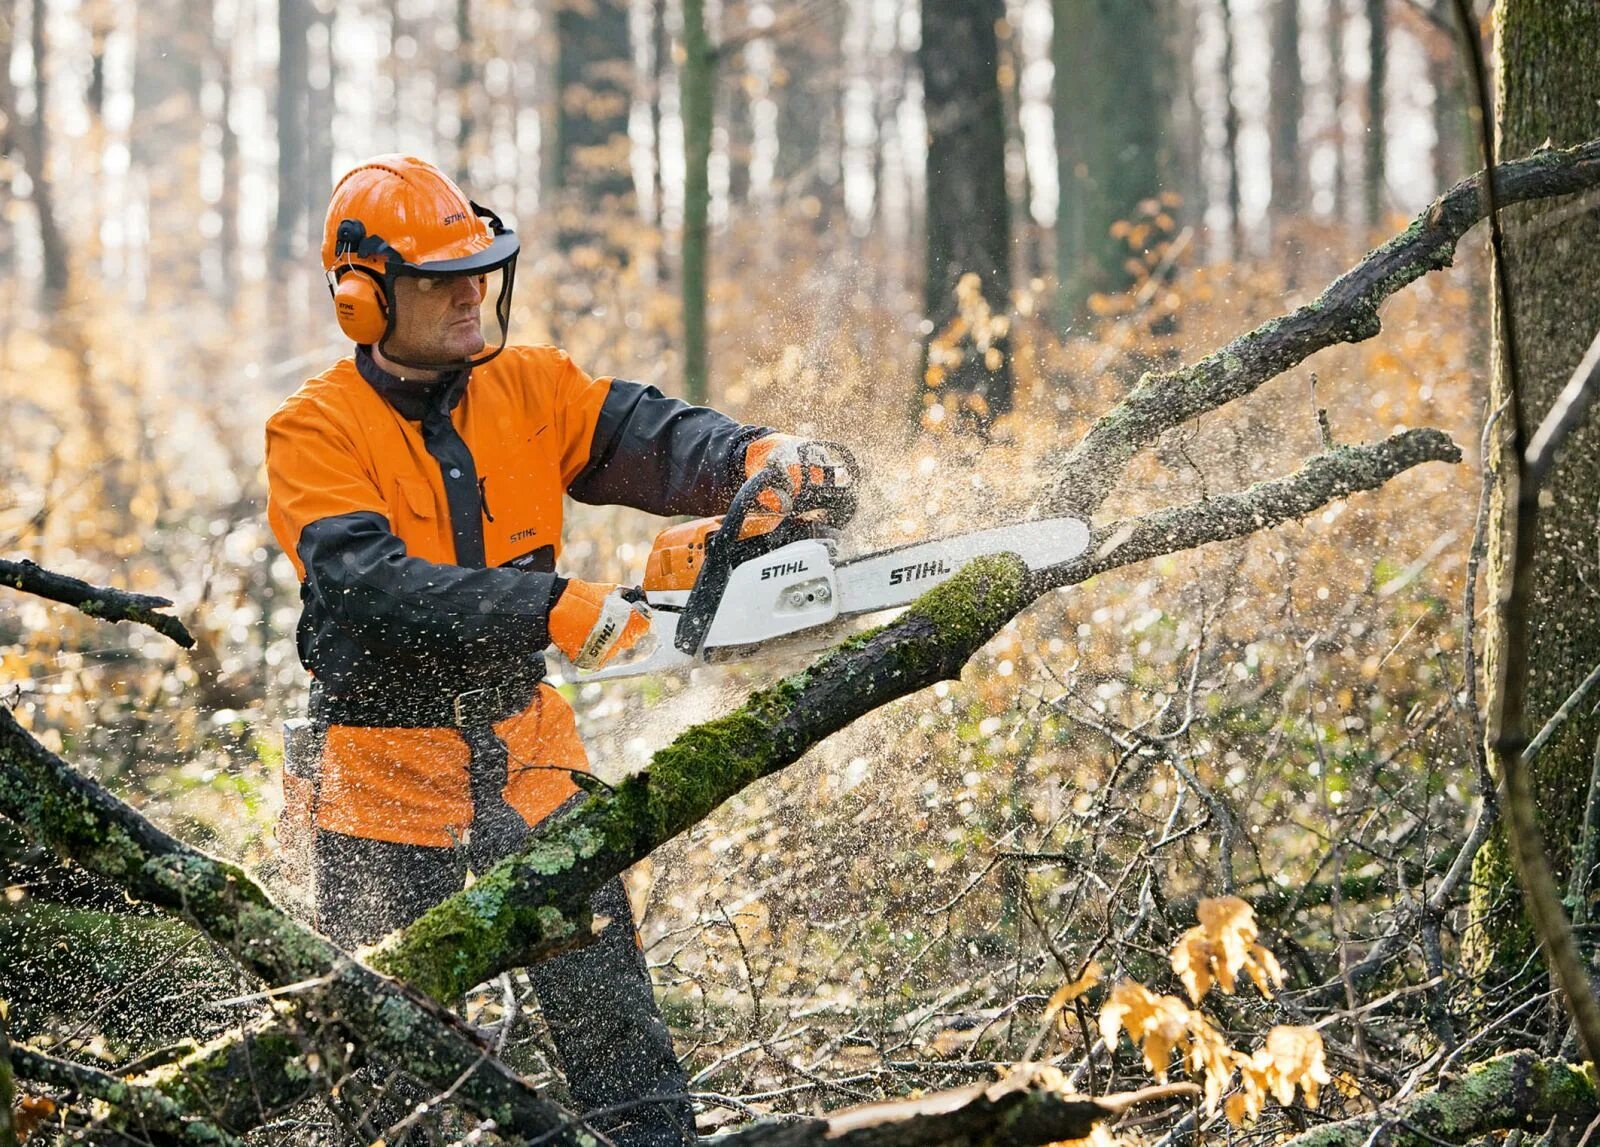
{"x": 805, "y": 462}
{"x": 592, "y": 622}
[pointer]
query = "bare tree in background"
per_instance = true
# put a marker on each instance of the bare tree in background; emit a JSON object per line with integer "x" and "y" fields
{"x": 968, "y": 212}
{"x": 1374, "y": 169}
{"x": 1111, "y": 136}
{"x": 293, "y": 81}
{"x": 1285, "y": 103}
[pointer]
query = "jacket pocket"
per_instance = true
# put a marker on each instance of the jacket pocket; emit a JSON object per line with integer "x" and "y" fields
{"x": 416, "y": 521}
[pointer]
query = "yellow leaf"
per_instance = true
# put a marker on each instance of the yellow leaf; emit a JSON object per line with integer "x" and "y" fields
{"x": 1066, "y": 993}
{"x": 1297, "y": 1057}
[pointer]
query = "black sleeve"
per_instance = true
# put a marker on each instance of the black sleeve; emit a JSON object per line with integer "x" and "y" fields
{"x": 661, "y": 455}
{"x": 362, "y": 580}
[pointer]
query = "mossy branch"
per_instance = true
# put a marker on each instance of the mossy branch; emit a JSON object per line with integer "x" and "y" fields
{"x": 1347, "y": 311}
{"x": 103, "y": 602}
{"x": 1519, "y": 1090}
{"x": 385, "y": 1020}
{"x": 143, "y": 1112}
{"x": 534, "y": 904}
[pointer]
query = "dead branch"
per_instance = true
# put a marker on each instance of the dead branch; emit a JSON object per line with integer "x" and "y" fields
{"x": 1028, "y": 1107}
{"x": 103, "y": 602}
{"x": 1519, "y": 1090}
{"x": 1347, "y": 311}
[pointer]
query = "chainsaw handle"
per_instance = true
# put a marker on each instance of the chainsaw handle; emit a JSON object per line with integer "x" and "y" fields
{"x": 721, "y": 547}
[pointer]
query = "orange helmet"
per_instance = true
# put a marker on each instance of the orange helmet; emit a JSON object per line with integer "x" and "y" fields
{"x": 396, "y": 215}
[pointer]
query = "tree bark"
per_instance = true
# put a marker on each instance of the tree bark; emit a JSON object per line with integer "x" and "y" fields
{"x": 1230, "y": 132}
{"x": 1548, "y": 90}
{"x": 968, "y": 210}
{"x": 594, "y": 77}
{"x": 96, "y": 601}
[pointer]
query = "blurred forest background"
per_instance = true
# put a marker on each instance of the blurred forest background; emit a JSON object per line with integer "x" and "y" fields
{"x": 950, "y": 233}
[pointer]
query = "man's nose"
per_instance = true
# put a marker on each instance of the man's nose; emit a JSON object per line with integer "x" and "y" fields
{"x": 469, "y": 290}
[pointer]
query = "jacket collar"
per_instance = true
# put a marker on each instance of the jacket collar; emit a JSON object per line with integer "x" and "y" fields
{"x": 412, "y": 397}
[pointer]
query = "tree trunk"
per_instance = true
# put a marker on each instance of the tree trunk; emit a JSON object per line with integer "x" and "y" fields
{"x": 321, "y": 98}
{"x": 9, "y": 145}
{"x": 1373, "y": 171}
{"x": 1111, "y": 132}
{"x": 969, "y": 214}
{"x": 1549, "y": 90}
{"x": 228, "y": 151}
{"x": 35, "y": 141}
{"x": 1455, "y": 142}
{"x": 1230, "y": 130}
{"x": 293, "y": 66}
{"x": 697, "y": 91}
{"x": 1339, "y": 207}
{"x": 594, "y": 75}
{"x": 1285, "y": 103}
{"x": 467, "y": 84}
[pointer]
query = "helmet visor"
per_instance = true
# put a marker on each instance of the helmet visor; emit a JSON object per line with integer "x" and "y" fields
{"x": 449, "y": 314}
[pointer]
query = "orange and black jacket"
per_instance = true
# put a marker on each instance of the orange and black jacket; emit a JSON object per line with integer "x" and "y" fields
{"x": 424, "y": 521}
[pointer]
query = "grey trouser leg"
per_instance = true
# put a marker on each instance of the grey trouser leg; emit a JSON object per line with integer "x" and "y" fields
{"x": 602, "y": 1014}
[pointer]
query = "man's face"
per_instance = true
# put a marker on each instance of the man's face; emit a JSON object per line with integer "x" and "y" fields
{"x": 437, "y": 321}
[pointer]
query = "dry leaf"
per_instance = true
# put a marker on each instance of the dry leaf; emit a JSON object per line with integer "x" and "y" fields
{"x": 31, "y": 1113}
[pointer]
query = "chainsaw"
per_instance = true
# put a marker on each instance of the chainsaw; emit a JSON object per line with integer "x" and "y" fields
{"x": 722, "y": 589}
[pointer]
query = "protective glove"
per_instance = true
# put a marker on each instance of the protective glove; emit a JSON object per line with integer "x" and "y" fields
{"x": 805, "y": 462}
{"x": 592, "y": 622}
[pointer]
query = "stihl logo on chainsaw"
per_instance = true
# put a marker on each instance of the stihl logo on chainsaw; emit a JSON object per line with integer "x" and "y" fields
{"x": 782, "y": 569}
{"x": 919, "y": 571}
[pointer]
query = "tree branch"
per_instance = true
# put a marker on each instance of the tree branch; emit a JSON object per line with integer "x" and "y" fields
{"x": 1347, "y": 311}
{"x": 155, "y": 1117}
{"x": 103, "y": 602}
{"x": 1509, "y": 1091}
{"x": 1028, "y": 1107}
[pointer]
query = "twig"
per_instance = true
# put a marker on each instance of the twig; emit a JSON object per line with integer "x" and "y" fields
{"x": 393, "y": 1134}
{"x": 103, "y": 602}
{"x": 1564, "y": 415}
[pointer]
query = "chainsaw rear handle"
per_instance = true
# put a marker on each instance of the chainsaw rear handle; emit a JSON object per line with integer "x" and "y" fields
{"x": 726, "y": 550}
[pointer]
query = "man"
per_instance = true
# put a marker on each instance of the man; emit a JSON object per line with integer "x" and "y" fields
{"x": 417, "y": 487}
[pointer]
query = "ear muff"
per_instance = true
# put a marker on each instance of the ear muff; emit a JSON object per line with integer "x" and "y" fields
{"x": 360, "y": 305}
